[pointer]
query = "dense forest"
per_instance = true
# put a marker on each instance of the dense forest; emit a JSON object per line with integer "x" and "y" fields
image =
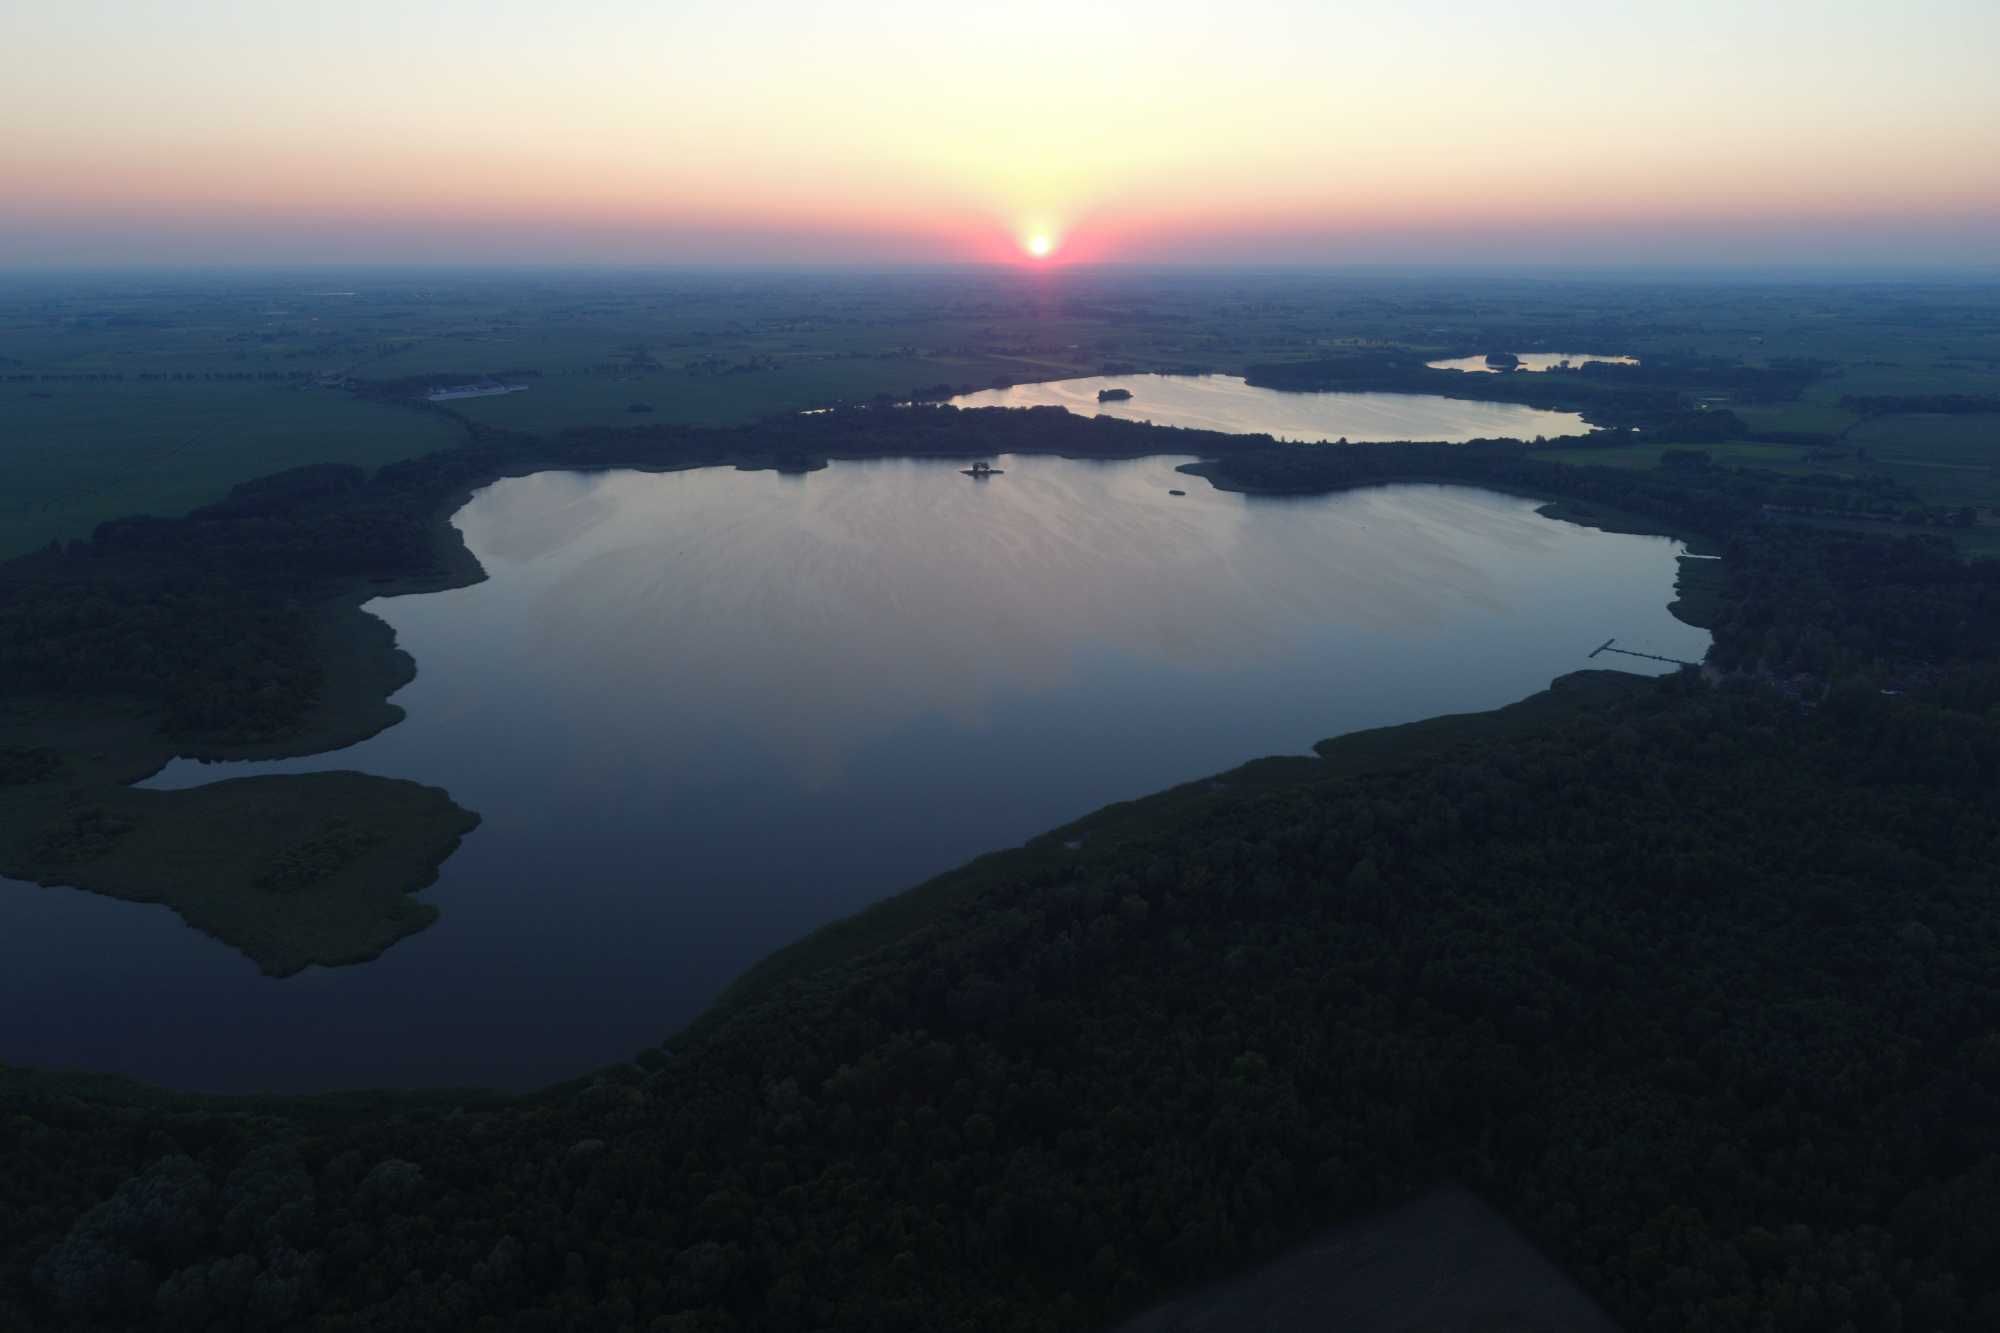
{"x": 1696, "y": 981}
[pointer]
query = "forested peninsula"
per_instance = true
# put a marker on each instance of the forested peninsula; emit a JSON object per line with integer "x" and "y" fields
{"x": 1654, "y": 396}
{"x": 1693, "y": 979}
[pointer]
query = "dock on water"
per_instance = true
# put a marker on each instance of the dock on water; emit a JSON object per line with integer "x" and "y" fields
{"x": 1606, "y": 647}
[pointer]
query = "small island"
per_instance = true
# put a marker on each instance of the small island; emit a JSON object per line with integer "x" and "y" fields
{"x": 295, "y": 870}
{"x": 1113, "y": 395}
{"x": 1502, "y": 360}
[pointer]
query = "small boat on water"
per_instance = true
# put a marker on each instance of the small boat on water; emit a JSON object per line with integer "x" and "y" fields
{"x": 981, "y": 470}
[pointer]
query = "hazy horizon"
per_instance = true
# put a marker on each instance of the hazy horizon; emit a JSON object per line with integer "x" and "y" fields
{"x": 791, "y": 133}
{"x": 1857, "y": 272}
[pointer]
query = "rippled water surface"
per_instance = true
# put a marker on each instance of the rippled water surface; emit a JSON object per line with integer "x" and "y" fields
{"x": 703, "y": 712}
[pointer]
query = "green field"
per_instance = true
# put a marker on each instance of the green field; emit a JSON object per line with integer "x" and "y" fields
{"x": 1938, "y": 372}
{"x": 1804, "y": 415}
{"x": 1968, "y": 441}
{"x": 75, "y": 454}
{"x": 1948, "y": 460}
{"x": 1918, "y": 448}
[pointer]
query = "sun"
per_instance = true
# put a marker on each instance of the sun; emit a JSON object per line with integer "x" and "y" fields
{"x": 1041, "y": 245}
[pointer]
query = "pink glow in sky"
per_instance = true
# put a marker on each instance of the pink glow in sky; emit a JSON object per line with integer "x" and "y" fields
{"x": 759, "y": 131}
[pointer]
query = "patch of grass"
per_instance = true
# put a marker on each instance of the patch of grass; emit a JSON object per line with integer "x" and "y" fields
{"x": 75, "y": 454}
{"x": 1971, "y": 440}
{"x": 1870, "y": 371}
{"x": 1825, "y": 418}
{"x": 1947, "y": 460}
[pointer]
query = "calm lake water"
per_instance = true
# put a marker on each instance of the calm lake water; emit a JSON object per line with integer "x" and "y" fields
{"x": 703, "y": 712}
{"x": 1226, "y": 403}
{"x": 1534, "y": 362}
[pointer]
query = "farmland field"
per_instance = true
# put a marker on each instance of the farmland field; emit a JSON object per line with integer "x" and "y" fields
{"x": 75, "y": 454}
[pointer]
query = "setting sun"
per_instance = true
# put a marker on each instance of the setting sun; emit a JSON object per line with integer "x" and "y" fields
{"x": 1041, "y": 245}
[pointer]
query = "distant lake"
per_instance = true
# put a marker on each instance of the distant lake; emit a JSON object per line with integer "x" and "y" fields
{"x": 1532, "y": 362}
{"x": 1226, "y": 403}
{"x": 704, "y": 712}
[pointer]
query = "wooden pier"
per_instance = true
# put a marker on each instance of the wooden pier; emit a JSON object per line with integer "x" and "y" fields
{"x": 1606, "y": 647}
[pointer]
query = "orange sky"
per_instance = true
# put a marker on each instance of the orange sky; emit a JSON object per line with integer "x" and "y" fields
{"x": 623, "y": 131}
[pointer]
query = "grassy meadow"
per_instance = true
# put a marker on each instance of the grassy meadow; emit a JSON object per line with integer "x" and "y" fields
{"x": 73, "y": 455}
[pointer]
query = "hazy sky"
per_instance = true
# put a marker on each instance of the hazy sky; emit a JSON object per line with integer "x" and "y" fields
{"x": 756, "y": 130}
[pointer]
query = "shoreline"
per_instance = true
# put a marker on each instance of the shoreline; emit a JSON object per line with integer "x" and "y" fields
{"x": 366, "y": 713}
{"x": 363, "y": 667}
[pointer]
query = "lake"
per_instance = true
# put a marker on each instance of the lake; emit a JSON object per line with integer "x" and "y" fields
{"x": 1226, "y": 403}
{"x": 1532, "y": 362}
{"x": 703, "y": 712}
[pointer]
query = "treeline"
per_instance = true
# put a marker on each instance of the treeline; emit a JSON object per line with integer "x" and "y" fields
{"x": 213, "y": 660}
{"x": 1845, "y": 606}
{"x": 1701, "y": 499}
